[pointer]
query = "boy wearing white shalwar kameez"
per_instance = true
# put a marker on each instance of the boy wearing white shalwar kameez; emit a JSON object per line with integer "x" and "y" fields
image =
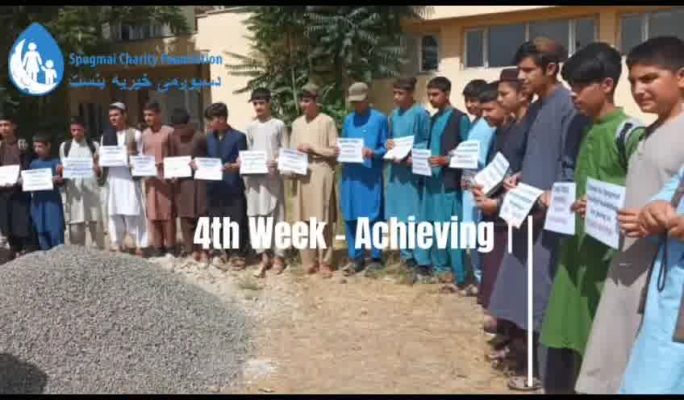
{"x": 124, "y": 194}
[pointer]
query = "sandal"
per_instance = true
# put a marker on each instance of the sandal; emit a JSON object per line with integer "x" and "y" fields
{"x": 278, "y": 266}
{"x": 237, "y": 263}
{"x": 261, "y": 272}
{"x": 519, "y": 382}
{"x": 352, "y": 268}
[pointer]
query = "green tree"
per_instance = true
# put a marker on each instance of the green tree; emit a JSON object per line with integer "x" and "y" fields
{"x": 330, "y": 45}
{"x": 81, "y": 29}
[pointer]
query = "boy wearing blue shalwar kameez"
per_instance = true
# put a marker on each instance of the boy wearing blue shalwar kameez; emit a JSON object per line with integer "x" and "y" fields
{"x": 656, "y": 364}
{"x": 362, "y": 184}
{"x": 483, "y": 133}
{"x": 403, "y": 187}
{"x": 46, "y": 205}
{"x": 442, "y": 191}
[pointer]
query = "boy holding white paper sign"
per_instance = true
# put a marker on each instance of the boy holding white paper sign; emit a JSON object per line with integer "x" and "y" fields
{"x": 315, "y": 133}
{"x": 266, "y": 193}
{"x": 656, "y": 74}
{"x": 441, "y": 194}
{"x": 491, "y": 116}
{"x": 509, "y": 143}
{"x": 124, "y": 204}
{"x": 46, "y": 205}
{"x": 190, "y": 195}
{"x": 226, "y": 198}
{"x": 362, "y": 184}
{"x": 83, "y": 205}
{"x": 409, "y": 119}
{"x": 550, "y": 153}
{"x": 592, "y": 73}
{"x": 15, "y": 218}
{"x": 156, "y": 141}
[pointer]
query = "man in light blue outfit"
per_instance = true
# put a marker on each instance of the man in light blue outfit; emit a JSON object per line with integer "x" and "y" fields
{"x": 656, "y": 364}
{"x": 362, "y": 184}
{"x": 476, "y": 91}
{"x": 442, "y": 190}
{"x": 403, "y": 187}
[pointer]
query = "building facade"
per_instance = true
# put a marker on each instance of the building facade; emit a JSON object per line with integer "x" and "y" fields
{"x": 459, "y": 42}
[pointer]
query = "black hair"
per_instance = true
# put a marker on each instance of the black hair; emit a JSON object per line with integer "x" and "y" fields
{"x": 440, "y": 83}
{"x": 516, "y": 85}
{"x": 543, "y": 52}
{"x": 473, "y": 88}
{"x": 7, "y": 117}
{"x": 76, "y": 120}
{"x": 261, "y": 94}
{"x": 593, "y": 63}
{"x": 489, "y": 92}
{"x": 664, "y": 51}
{"x": 153, "y": 106}
{"x": 179, "y": 116}
{"x": 405, "y": 83}
{"x": 42, "y": 137}
{"x": 216, "y": 110}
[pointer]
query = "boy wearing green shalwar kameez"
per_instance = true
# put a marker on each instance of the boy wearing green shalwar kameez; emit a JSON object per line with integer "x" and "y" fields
{"x": 593, "y": 73}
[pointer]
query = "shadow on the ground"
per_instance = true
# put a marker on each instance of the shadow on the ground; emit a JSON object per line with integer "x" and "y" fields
{"x": 18, "y": 377}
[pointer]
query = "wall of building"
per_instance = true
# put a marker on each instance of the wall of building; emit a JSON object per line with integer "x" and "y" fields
{"x": 451, "y": 31}
{"x": 221, "y": 32}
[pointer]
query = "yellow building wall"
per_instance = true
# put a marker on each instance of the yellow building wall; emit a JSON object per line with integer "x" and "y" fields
{"x": 451, "y": 33}
{"x": 219, "y": 32}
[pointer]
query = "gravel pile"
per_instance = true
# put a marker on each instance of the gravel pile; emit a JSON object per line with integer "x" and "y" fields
{"x": 96, "y": 322}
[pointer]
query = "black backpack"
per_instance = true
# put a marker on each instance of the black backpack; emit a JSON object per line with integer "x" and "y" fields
{"x": 67, "y": 147}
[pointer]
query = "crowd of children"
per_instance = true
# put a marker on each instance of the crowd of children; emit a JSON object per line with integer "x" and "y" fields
{"x": 604, "y": 320}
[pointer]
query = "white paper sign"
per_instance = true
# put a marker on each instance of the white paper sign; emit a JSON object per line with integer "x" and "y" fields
{"x": 143, "y": 166}
{"x": 113, "y": 156}
{"x": 466, "y": 155}
{"x": 9, "y": 174}
{"x": 78, "y": 167}
{"x": 559, "y": 216}
{"x": 177, "y": 167}
{"x": 518, "y": 203}
{"x": 208, "y": 169}
{"x": 253, "y": 162}
{"x": 603, "y": 202}
{"x": 420, "y": 165}
{"x": 351, "y": 150}
{"x": 493, "y": 174}
{"x": 292, "y": 160}
{"x": 401, "y": 149}
{"x": 37, "y": 179}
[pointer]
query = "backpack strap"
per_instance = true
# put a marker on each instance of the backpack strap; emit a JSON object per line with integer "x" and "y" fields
{"x": 622, "y": 135}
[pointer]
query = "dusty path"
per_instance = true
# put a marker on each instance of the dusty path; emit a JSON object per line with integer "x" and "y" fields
{"x": 354, "y": 335}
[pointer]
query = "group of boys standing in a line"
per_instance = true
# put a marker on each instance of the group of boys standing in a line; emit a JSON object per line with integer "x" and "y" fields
{"x": 587, "y": 297}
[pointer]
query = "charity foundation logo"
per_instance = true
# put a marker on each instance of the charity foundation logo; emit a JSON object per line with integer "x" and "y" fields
{"x": 36, "y": 63}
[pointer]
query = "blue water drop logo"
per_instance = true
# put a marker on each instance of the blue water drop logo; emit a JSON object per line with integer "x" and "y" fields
{"x": 36, "y": 63}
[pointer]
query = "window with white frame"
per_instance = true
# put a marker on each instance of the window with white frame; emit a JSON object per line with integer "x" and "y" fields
{"x": 636, "y": 28}
{"x": 495, "y": 46}
{"x": 429, "y": 53}
{"x": 126, "y": 32}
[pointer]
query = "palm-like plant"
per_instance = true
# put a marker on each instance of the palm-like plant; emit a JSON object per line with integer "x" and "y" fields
{"x": 330, "y": 45}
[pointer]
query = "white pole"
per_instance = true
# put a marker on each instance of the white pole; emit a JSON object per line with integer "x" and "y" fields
{"x": 530, "y": 327}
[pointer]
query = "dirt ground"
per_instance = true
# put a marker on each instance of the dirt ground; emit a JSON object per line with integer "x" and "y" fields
{"x": 353, "y": 335}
